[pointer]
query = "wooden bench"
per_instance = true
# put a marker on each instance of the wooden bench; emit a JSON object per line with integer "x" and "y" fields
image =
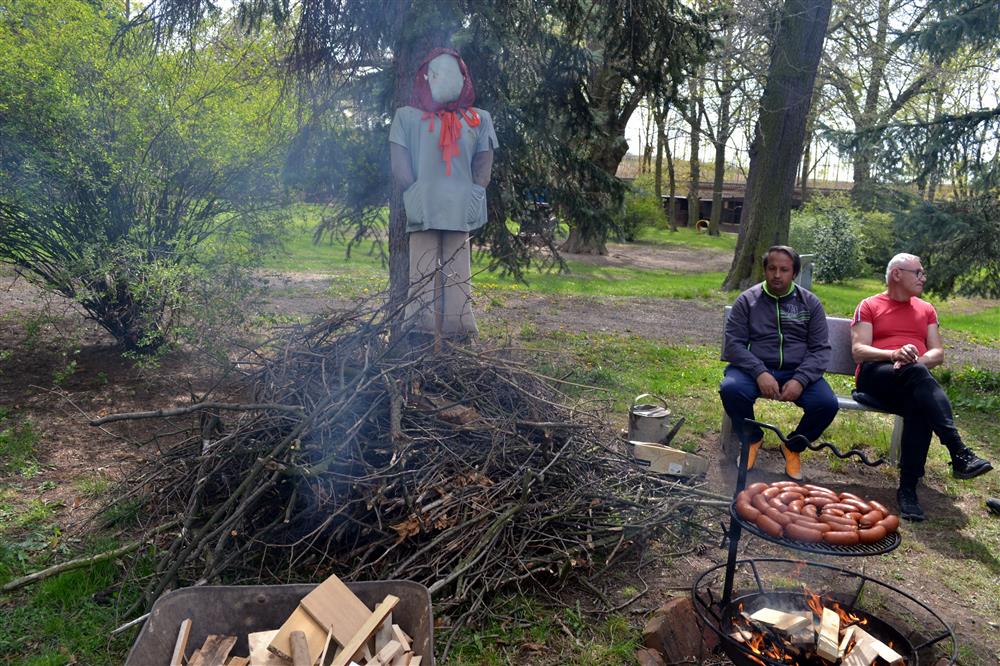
{"x": 841, "y": 363}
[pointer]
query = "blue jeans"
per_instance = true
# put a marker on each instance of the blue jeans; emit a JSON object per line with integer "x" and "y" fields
{"x": 739, "y": 392}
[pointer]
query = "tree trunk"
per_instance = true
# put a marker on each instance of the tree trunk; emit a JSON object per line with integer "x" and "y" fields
{"x": 778, "y": 137}
{"x": 694, "y": 117}
{"x": 671, "y": 188}
{"x": 421, "y": 28}
{"x": 862, "y": 175}
{"x": 721, "y": 137}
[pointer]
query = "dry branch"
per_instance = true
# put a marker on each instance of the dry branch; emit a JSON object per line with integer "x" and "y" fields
{"x": 361, "y": 472}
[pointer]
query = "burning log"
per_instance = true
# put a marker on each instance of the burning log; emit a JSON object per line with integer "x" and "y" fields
{"x": 827, "y": 642}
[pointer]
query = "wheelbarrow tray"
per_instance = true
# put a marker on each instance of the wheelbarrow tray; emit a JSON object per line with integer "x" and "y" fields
{"x": 238, "y": 610}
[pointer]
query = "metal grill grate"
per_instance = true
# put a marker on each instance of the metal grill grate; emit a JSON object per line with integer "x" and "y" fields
{"x": 880, "y": 547}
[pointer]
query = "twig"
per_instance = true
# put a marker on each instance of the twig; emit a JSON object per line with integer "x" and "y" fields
{"x": 201, "y": 406}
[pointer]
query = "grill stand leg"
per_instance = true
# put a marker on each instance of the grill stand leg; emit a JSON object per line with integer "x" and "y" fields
{"x": 735, "y": 531}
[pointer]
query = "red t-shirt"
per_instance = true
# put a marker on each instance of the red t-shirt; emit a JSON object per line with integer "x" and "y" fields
{"x": 897, "y": 323}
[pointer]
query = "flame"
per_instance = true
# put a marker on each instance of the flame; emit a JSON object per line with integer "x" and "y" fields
{"x": 847, "y": 617}
{"x": 815, "y": 602}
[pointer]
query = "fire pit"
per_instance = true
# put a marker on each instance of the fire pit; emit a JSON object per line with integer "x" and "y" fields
{"x": 778, "y": 610}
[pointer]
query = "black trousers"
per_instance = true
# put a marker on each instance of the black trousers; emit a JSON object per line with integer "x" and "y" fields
{"x": 913, "y": 393}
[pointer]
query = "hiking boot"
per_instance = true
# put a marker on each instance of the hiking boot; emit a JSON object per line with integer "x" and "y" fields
{"x": 966, "y": 465}
{"x": 793, "y": 465}
{"x": 909, "y": 508}
{"x": 752, "y": 453}
{"x": 993, "y": 504}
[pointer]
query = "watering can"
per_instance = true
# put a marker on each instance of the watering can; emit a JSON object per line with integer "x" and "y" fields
{"x": 649, "y": 422}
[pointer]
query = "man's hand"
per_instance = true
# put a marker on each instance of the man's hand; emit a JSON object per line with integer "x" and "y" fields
{"x": 791, "y": 391}
{"x": 903, "y": 356}
{"x": 768, "y": 386}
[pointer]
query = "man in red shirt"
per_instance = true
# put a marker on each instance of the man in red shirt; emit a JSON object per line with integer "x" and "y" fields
{"x": 895, "y": 341}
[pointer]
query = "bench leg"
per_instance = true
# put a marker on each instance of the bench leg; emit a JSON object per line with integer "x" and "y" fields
{"x": 897, "y": 440}
{"x": 730, "y": 442}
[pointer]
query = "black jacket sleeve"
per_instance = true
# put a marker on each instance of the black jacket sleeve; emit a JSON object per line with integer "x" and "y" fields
{"x": 737, "y": 337}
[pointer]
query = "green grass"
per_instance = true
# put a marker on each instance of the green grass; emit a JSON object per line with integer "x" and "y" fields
{"x": 686, "y": 237}
{"x": 17, "y": 444}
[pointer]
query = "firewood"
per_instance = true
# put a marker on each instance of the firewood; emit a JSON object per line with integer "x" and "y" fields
{"x": 367, "y": 631}
{"x": 384, "y": 634}
{"x": 403, "y": 638}
{"x": 829, "y": 631}
{"x": 300, "y": 649}
{"x": 335, "y": 607}
{"x": 387, "y": 654}
{"x": 885, "y": 652}
{"x": 780, "y": 620}
{"x": 299, "y": 620}
{"x": 259, "y": 654}
{"x": 214, "y": 651}
{"x": 864, "y": 652}
{"x": 402, "y": 659}
{"x": 238, "y": 661}
{"x": 181, "y": 645}
{"x": 415, "y": 661}
{"x": 845, "y": 641}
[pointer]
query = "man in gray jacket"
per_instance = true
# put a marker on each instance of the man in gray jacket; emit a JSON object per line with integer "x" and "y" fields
{"x": 778, "y": 347}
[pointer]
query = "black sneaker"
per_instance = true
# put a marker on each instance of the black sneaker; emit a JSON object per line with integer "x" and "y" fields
{"x": 966, "y": 465}
{"x": 993, "y": 504}
{"x": 909, "y": 508}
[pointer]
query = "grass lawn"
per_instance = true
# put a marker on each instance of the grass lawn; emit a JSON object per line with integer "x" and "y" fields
{"x": 67, "y": 619}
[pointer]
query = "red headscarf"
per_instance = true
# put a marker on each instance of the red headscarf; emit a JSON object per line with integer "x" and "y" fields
{"x": 447, "y": 113}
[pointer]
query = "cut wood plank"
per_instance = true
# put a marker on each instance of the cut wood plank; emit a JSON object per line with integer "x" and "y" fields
{"x": 181, "y": 645}
{"x": 885, "y": 652}
{"x": 326, "y": 646}
{"x": 299, "y": 620}
{"x": 388, "y": 653}
{"x": 334, "y": 606}
{"x": 364, "y": 634}
{"x": 415, "y": 661}
{"x": 300, "y": 649}
{"x": 845, "y": 641}
{"x": 384, "y": 634}
{"x": 403, "y": 638}
{"x": 214, "y": 651}
{"x": 238, "y": 661}
{"x": 780, "y": 620}
{"x": 863, "y": 653}
{"x": 827, "y": 643}
{"x": 259, "y": 654}
{"x": 402, "y": 659}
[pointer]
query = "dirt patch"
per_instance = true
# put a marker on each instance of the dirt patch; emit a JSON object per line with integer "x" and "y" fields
{"x": 656, "y": 257}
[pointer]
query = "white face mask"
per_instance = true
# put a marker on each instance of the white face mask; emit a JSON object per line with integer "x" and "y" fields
{"x": 445, "y": 78}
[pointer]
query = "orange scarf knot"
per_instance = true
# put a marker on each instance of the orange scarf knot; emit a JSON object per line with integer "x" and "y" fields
{"x": 451, "y": 131}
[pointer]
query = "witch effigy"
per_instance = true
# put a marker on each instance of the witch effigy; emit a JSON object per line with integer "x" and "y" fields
{"x": 441, "y": 150}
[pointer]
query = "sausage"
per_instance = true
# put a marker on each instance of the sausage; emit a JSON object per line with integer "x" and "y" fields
{"x": 872, "y": 535}
{"x": 812, "y": 524}
{"x": 880, "y": 507}
{"x": 833, "y": 511}
{"x": 778, "y": 517}
{"x": 746, "y": 511}
{"x": 846, "y": 508}
{"x": 799, "y": 532}
{"x": 863, "y": 507}
{"x": 768, "y": 526}
{"x": 870, "y": 518}
{"x": 759, "y": 502}
{"x": 837, "y": 522}
{"x": 785, "y": 484}
{"x": 796, "y": 506}
{"x": 777, "y": 504}
{"x": 809, "y": 510}
{"x": 771, "y": 492}
{"x": 755, "y": 488}
{"x": 855, "y": 515}
{"x": 851, "y": 496}
{"x": 842, "y": 538}
{"x": 818, "y": 500}
{"x": 890, "y": 523}
{"x": 818, "y": 489}
{"x": 790, "y": 496}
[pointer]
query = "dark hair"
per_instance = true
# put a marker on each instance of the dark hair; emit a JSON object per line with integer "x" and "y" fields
{"x": 792, "y": 254}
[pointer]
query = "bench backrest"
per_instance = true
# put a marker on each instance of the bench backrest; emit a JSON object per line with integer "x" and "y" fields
{"x": 841, "y": 362}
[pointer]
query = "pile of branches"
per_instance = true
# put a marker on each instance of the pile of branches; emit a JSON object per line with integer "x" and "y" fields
{"x": 371, "y": 455}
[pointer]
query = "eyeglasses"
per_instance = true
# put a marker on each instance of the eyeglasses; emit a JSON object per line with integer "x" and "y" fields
{"x": 919, "y": 272}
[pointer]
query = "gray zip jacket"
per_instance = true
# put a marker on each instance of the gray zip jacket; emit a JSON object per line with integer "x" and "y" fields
{"x": 765, "y": 333}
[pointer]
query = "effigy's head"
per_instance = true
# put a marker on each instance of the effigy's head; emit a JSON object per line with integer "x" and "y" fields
{"x": 444, "y": 76}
